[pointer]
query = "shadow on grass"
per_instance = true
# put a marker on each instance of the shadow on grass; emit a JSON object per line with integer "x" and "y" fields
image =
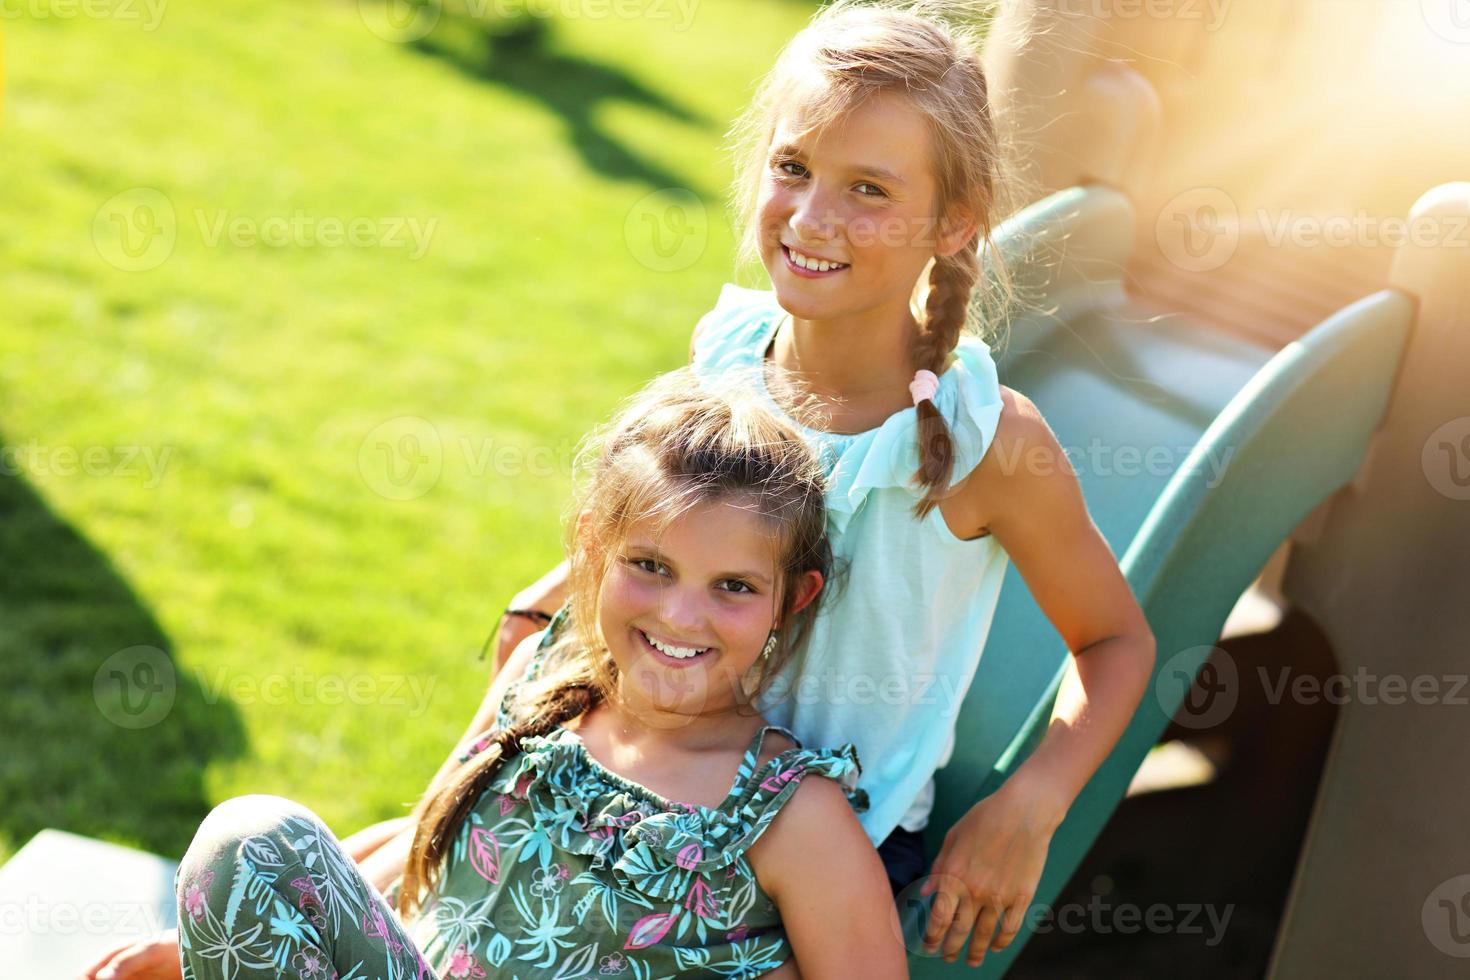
{"x": 518, "y": 53}
{"x": 100, "y": 736}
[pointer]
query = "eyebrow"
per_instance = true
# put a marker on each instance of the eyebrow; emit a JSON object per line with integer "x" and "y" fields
{"x": 655, "y": 553}
{"x": 792, "y": 150}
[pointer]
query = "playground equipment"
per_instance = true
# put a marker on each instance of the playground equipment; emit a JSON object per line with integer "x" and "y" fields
{"x": 1311, "y": 406}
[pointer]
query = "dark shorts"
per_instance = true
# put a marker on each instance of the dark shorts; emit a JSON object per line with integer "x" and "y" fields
{"x": 903, "y": 855}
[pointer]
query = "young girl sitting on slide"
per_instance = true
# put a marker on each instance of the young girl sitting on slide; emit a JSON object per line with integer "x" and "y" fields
{"x": 631, "y": 815}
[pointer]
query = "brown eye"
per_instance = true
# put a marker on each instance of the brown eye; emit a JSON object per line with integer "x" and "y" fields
{"x": 645, "y": 565}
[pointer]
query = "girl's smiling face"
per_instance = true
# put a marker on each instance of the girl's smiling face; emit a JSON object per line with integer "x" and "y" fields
{"x": 686, "y": 612}
{"x": 860, "y": 193}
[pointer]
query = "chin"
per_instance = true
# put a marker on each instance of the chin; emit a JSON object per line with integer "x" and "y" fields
{"x": 799, "y": 303}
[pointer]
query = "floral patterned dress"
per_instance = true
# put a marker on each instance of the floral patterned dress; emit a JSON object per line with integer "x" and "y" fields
{"x": 563, "y": 870}
{"x": 566, "y": 869}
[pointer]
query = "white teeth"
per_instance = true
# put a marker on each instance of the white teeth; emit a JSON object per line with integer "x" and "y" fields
{"x": 816, "y": 265}
{"x": 679, "y": 653}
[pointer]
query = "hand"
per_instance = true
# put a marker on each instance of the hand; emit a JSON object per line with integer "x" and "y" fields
{"x": 987, "y": 871}
{"x": 154, "y": 958}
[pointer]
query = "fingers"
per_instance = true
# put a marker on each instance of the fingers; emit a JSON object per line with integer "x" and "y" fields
{"x": 947, "y": 891}
{"x": 1012, "y": 925}
{"x": 984, "y": 927}
{"x": 117, "y": 966}
{"x": 957, "y": 917}
{"x": 954, "y": 917}
{"x": 962, "y": 926}
{"x": 92, "y": 969}
{"x": 150, "y": 959}
{"x": 951, "y": 918}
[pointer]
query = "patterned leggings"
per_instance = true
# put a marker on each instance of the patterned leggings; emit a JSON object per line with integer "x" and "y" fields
{"x": 266, "y": 891}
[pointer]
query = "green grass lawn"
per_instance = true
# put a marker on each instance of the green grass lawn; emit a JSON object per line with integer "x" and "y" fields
{"x": 197, "y": 423}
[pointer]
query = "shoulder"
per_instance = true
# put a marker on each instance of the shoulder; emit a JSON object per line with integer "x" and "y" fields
{"x": 816, "y": 827}
{"x": 1024, "y": 470}
{"x": 1021, "y": 424}
{"x": 826, "y": 878}
{"x": 816, "y": 822}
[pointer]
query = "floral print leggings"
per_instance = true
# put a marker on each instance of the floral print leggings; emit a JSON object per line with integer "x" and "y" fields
{"x": 265, "y": 891}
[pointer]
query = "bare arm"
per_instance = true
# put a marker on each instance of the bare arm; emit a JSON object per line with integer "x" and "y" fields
{"x": 817, "y": 864}
{"x": 1041, "y": 520}
{"x": 367, "y": 840}
{"x": 1026, "y": 493}
{"x": 546, "y": 595}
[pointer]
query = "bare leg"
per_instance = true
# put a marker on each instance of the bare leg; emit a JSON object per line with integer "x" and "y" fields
{"x": 370, "y": 838}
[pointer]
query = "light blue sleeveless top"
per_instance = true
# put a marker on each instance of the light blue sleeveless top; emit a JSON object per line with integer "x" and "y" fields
{"x": 894, "y": 647}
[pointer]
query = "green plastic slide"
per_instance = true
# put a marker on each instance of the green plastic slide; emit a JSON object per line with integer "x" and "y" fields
{"x": 1198, "y": 452}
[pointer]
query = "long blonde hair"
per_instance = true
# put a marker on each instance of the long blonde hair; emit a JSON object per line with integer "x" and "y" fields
{"x": 918, "y": 49}
{"x": 678, "y": 443}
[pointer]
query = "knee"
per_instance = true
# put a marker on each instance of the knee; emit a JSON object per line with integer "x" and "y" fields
{"x": 242, "y": 817}
{"x": 233, "y": 822}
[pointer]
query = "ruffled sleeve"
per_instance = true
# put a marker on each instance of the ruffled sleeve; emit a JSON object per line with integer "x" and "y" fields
{"x": 669, "y": 852}
{"x": 728, "y": 336}
{"x": 888, "y": 456}
{"x": 732, "y": 342}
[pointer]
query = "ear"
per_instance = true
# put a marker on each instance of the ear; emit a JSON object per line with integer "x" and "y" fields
{"x": 807, "y": 588}
{"x": 584, "y": 531}
{"x": 955, "y": 229}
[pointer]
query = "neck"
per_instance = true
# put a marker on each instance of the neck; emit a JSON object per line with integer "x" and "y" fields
{"x": 639, "y": 724}
{"x": 866, "y": 355}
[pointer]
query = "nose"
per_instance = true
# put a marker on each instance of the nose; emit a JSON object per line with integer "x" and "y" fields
{"x": 683, "y": 612}
{"x": 815, "y": 217}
